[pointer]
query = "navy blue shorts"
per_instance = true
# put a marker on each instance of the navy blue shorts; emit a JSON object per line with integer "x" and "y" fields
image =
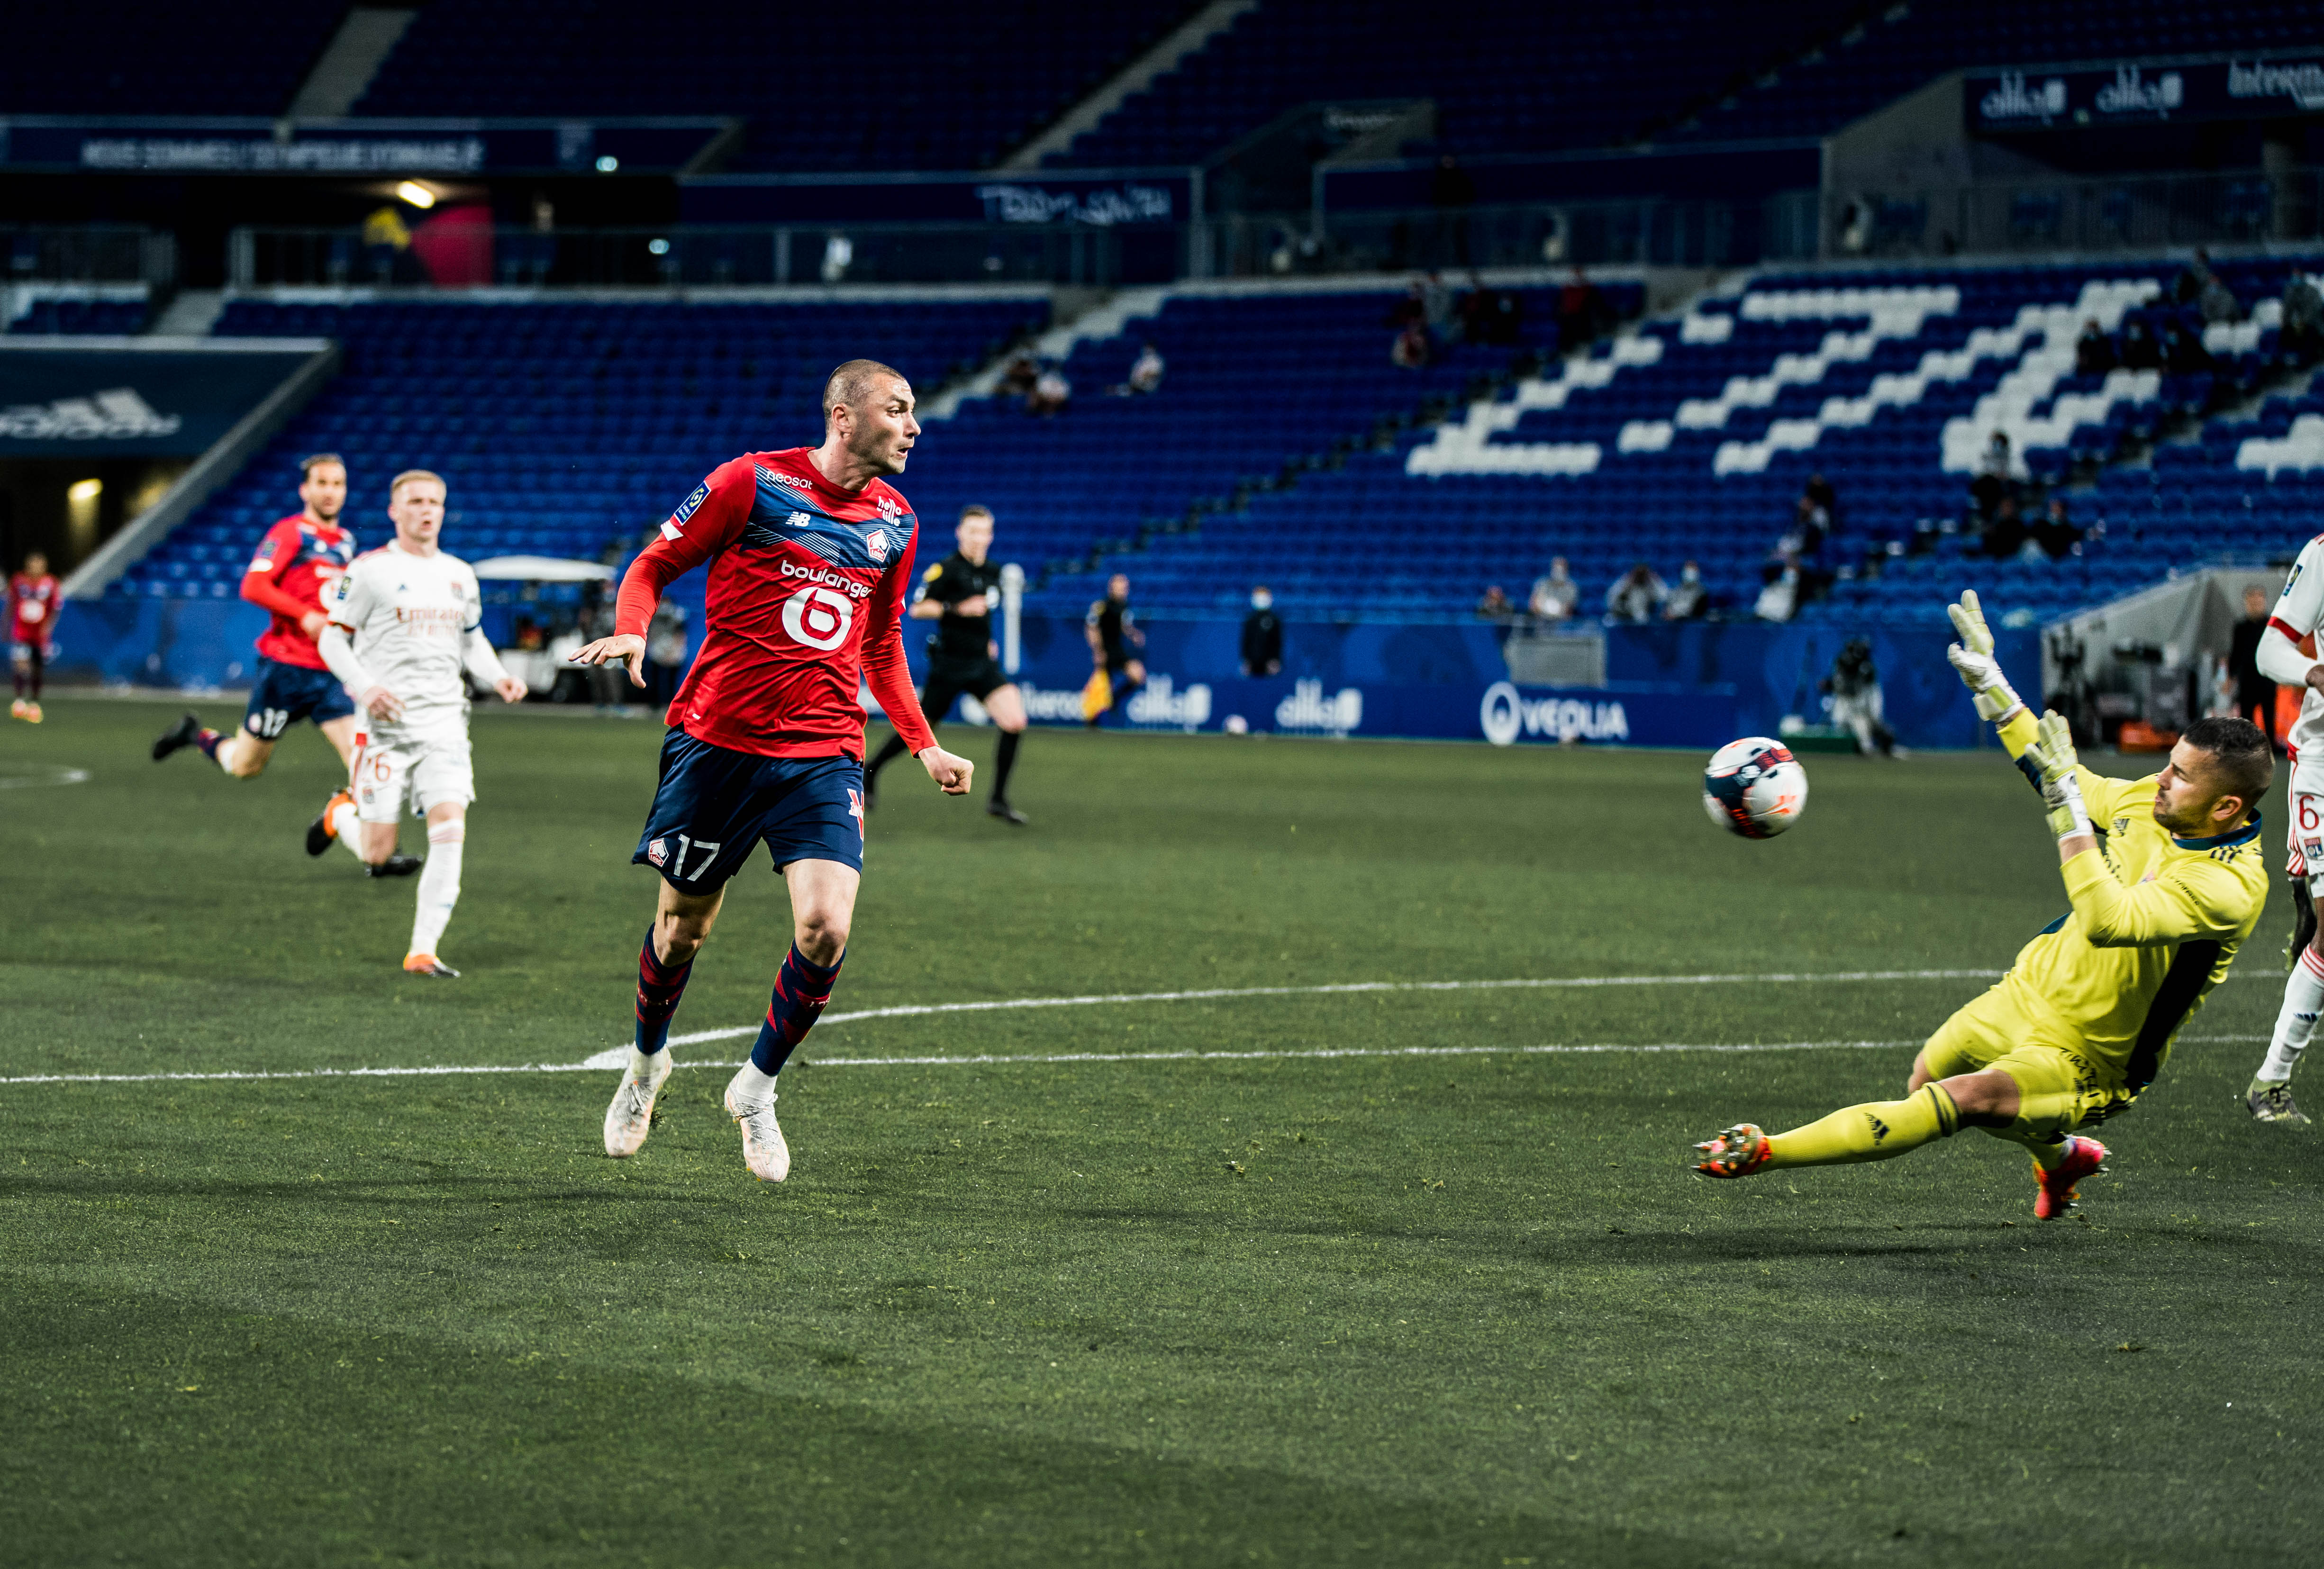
{"x": 285, "y": 694}
{"x": 714, "y": 806}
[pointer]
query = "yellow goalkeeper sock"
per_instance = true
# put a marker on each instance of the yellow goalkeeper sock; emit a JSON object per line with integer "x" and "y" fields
{"x": 1876, "y": 1131}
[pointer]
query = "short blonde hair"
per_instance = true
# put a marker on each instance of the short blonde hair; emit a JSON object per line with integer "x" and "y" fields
{"x": 413, "y": 476}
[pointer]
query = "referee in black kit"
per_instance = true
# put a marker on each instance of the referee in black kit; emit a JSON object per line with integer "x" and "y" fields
{"x": 959, "y": 593}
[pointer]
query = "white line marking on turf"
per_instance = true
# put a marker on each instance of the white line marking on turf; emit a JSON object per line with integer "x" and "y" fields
{"x": 51, "y": 776}
{"x": 1003, "y": 1060}
{"x": 568, "y": 1067}
{"x": 922, "y": 1009}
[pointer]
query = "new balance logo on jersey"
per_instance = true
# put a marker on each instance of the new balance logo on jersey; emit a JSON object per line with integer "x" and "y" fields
{"x": 799, "y": 520}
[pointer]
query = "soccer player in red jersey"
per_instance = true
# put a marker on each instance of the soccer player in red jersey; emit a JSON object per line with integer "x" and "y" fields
{"x": 295, "y": 564}
{"x": 810, "y": 553}
{"x": 298, "y": 559}
{"x": 33, "y": 601}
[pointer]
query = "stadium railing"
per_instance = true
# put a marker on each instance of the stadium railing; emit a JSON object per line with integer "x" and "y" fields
{"x": 698, "y": 256}
{"x": 87, "y": 254}
{"x": 1236, "y": 246}
{"x": 2123, "y": 213}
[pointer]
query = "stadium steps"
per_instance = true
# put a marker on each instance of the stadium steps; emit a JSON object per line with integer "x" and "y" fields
{"x": 1134, "y": 77}
{"x": 348, "y": 63}
{"x": 1107, "y": 318}
{"x": 192, "y": 314}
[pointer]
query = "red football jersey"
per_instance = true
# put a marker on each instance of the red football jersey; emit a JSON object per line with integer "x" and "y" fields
{"x": 32, "y": 606}
{"x": 299, "y": 560}
{"x": 805, "y": 607}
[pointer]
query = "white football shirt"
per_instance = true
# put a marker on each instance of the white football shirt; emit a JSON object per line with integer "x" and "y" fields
{"x": 409, "y": 617}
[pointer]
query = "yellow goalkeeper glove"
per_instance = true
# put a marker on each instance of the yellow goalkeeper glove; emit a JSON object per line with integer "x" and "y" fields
{"x": 2050, "y": 762}
{"x": 1972, "y": 658}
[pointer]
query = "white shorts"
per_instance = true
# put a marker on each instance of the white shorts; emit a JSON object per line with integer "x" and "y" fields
{"x": 2304, "y": 833}
{"x": 431, "y": 767}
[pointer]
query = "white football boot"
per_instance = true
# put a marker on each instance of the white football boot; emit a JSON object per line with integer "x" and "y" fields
{"x": 630, "y": 1118}
{"x": 763, "y": 1149}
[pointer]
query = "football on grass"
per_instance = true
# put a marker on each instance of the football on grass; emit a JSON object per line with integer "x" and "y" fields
{"x": 1755, "y": 787}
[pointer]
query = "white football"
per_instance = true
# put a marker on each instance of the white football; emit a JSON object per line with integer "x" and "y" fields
{"x": 1755, "y": 788}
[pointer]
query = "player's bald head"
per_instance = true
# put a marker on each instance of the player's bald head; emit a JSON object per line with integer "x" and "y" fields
{"x": 854, "y": 381}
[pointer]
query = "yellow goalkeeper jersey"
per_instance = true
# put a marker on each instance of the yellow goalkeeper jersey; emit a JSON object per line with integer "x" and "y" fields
{"x": 2156, "y": 922}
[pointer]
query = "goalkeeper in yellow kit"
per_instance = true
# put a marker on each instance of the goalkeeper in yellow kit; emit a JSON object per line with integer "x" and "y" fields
{"x": 2167, "y": 877}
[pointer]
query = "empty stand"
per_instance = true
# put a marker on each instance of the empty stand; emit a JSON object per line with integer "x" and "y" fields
{"x": 1261, "y": 385}
{"x": 82, "y": 315}
{"x": 1505, "y": 76}
{"x": 112, "y": 58}
{"x": 1692, "y": 438}
{"x": 562, "y": 428}
{"x": 946, "y": 86}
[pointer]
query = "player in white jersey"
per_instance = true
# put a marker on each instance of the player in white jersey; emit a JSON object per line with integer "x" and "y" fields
{"x": 2298, "y": 613}
{"x": 405, "y": 624}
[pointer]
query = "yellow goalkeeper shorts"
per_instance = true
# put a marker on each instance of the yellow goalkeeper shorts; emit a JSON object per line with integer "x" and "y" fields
{"x": 2060, "y": 1085}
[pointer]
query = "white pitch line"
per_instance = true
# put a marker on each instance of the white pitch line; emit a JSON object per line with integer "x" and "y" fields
{"x": 1003, "y": 1060}
{"x": 54, "y": 776}
{"x": 567, "y": 1067}
{"x": 922, "y": 1009}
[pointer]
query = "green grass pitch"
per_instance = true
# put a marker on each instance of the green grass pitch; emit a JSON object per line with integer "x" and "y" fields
{"x": 1460, "y": 1309}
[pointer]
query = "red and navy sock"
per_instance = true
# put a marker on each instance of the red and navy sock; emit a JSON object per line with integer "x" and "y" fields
{"x": 801, "y": 990}
{"x": 209, "y": 742}
{"x": 660, "y": 986}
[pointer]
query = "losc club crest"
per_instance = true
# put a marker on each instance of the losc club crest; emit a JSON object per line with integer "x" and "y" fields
{"x": 657, "y": 852}
{"x": 877, "y": 543}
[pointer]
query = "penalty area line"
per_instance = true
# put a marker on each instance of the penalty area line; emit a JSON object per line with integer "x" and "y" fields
{"x": 1035, "y": 1059}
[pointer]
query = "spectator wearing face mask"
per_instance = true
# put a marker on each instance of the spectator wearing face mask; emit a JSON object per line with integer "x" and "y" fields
{"x": 1262, "y": 636}
{"x": 1555, "y": 593}
{"x": 1690, "y": 599}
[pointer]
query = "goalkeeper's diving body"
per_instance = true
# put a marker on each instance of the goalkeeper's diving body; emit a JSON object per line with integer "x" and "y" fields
{"x": 2167, "y": 877}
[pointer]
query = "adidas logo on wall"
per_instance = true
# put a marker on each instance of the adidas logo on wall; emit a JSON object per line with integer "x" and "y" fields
{"x": 117, "y": 415}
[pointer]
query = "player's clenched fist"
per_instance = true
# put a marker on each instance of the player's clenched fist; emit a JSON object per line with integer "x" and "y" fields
{"x": 622, "y": 648}
{"x": 949, "y": 771}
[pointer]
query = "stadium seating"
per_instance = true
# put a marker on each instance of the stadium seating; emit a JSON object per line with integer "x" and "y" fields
{"x": 113, "y": 58}
{"x": 562, "y": 428}
{"x": 1285, "y": 447}
{"x": 1261, "y": 386}
{"x": 947, "y": 86}
{"x": 1505, "y": 76}
{"x": 1692, "y": 438}
{"x": 1906, "y": 47}
{"x": 1513, "y": 77}
{"x": 121, "y": 316}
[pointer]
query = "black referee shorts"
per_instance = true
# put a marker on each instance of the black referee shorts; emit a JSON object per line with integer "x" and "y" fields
{"x": 949, "y": 678}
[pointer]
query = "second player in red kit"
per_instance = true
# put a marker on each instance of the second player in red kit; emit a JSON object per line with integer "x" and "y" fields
{"x": 810, "y": 553}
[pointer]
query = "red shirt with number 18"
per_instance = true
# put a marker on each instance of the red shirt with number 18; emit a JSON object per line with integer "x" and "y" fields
{"x": 805, "y": 607}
